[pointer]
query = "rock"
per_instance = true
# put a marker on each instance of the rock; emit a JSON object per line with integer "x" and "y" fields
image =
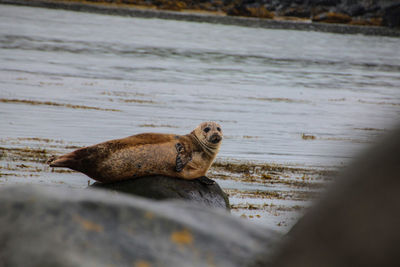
{"x": 259, "y": 12}
{"x": 332, "y": 17}
{"x": 367, "y": 22}
{"x": 170, "y": 5}
{"x": 251, "y": 10}
{"x": 355, "y": 10}
{"x": 324, "y": 2}
{"x": 48, "y": 226}
{"x": 161, "y": 187}
{"x": 298, "y": 11}
{"x": 391, "y": 16}
{"x": 357, "y": 222}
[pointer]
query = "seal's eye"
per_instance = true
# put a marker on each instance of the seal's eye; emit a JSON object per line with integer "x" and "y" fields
{"x": 218, "y": 129}
{"x": 207, "y": 129}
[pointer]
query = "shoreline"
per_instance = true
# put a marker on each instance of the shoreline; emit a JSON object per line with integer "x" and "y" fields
{"x": 273, "y": 194}
{"x": 110, "y": 9}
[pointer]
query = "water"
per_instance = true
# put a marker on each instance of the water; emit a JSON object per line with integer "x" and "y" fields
{"x": 71, "y": 79}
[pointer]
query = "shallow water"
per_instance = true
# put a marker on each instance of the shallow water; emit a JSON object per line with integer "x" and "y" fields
{"x": 290, "y": 98}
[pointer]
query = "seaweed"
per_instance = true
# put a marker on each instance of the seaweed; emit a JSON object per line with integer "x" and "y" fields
{"x": 49, "y": 103}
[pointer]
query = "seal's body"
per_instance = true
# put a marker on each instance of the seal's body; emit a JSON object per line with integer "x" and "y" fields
{"x": 184, "y": 156}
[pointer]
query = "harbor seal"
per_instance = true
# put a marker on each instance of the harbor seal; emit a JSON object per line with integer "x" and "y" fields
{"x": 183, "y": 156}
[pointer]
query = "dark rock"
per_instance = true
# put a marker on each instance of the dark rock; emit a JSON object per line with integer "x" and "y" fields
{"x": 357, "y": 222}
{"x": 161, "y": 188}
{"x": 288, "y": 3}
{"x": 391, "y": 17}
{"x": 317, "y": 10}
{"x": 324, "y": 2}
{"x": 355, "y": 10}
{"x": 363, "y": 12}
{"x": 372, "y": 9}
{"x": 301, "y": 12}
{"x": 250, "y": 10}
{"x": 47, "y": 226}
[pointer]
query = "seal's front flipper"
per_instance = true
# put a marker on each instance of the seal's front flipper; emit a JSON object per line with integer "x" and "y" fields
{"x": 179, "y": 165}
{"x": 181, "y": 158}
{"x": 206, "y": 180}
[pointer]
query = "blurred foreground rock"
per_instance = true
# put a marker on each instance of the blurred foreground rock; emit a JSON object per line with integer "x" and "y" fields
{"x": 357, "y": 222}
{"x": 47, "y": 226}
{"x": 161, "y": 188}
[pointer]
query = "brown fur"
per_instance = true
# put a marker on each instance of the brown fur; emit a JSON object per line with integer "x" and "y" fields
{"x": 146, "y": 154}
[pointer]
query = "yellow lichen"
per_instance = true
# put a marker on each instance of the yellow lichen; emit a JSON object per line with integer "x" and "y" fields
{"x": 88, "y": 225}
{"x": 149, "y": 215}
{"x": 182, "y": 238}
{"x": 141, "y": 263}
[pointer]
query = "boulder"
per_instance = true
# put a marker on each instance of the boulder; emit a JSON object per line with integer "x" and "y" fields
{"x": 162, "y": 187}
{"x": 48, "y": 226}
{"x": 357, "y": 221}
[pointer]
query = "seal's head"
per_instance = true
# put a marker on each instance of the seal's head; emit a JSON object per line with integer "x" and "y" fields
{"x": 209, "y": 134}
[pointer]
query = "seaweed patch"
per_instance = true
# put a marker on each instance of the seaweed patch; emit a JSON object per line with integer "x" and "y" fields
{"x": 49, "y": 103}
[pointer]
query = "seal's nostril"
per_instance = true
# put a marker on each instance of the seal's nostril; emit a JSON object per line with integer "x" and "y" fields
{"x": 215, "y": 138}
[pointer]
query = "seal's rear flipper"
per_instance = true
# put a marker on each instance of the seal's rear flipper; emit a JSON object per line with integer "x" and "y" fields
{"x": 62, "y": 161}
{"x": 51, "y": 159}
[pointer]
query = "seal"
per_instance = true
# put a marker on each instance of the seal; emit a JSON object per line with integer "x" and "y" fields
{"x": 183, "y": 156}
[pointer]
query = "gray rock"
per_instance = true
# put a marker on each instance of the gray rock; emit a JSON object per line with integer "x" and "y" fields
{"x": 47, "y": 226}
{"x": 161, "y": 188}
{"x": 357, "y": 222}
